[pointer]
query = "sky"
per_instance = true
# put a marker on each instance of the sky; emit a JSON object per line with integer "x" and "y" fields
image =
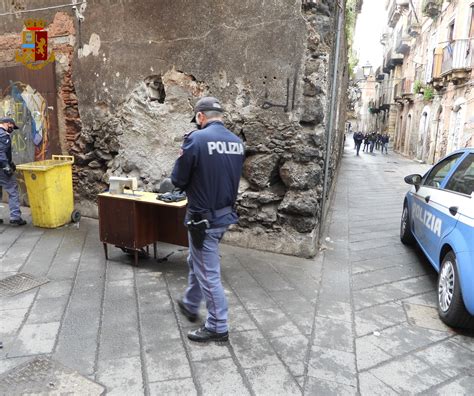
{"x": 371, "y": 23}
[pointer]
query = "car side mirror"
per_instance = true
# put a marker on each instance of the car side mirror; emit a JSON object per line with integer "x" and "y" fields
{"x": 414, "y": 180}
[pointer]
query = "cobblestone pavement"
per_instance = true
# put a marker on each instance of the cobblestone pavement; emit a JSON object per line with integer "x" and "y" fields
{"x": 358, "y": 319}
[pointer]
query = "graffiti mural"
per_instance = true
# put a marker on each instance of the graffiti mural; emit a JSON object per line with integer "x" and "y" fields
{"x": 30, "y": 111}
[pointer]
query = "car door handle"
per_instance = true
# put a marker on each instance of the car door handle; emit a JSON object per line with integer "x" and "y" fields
{"x": 427, "y": 199}
{"x": 453, "y": 210}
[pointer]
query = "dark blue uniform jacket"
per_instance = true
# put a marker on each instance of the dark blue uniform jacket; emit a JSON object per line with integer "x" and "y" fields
{"x": 209, "y": 170}
{"x": 5, "y": 148}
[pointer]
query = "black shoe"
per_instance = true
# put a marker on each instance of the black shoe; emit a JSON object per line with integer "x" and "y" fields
{"x": 192, "y": 317}
{"x": 205, "y": 335}
{"x": 18, "y": 222}
{"x": 1, "y": 221}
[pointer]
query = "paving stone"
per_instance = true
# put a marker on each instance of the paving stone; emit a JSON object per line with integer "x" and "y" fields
{"x": 392, "y": 291}
{"x": 379, "y": 317}
{"x": 18, "y": 253}
{"x": 387, "y": 275}
{"x": 316, "y": 386}
{"x": 371, "y": 386}
{"x": 368, "y": 354}
{"x": 405, "y": 338}
{"x": 47, "y": 310}
{"x": 272, "y": 281}
{"x": 35, "y": 339}
{"x": 7, "y": 364}
{"x": 77, "y": 351}
{"x": 158, "y": 325}
{"x": 252, "y": 349}
{"x": 120, "y": 289}
{"x": 274, "y": 322}
{"x": 9, "y": 236}
{"x": 272, "y": 380}
{"x": 119, "y": 271}
{"x": 239, "y": 319}
{"x": 448, "y": 357}
{"x": 429, "y": 299}
{"x": 333, "y": 309}
{"x": 183, "y": 386}
{"x": 332, "y": 365}
{"x": 22, "y": 300}
{"x": 11, "y": 320}
{"x": 254, "y": 298}
{"x": 335, "y": 334}
{"x": 374, "y": 243}
{"x": 464, "y": 341}
{"x": 121, "y": 376}
{"x": 201, "y": 352}
{"x": 220, "y": 377}
{"x": 292, "y": 351}
{"x": 377, "y": 264}
{"x": 426, "y": 317}
{"x": 460, "y": 386}
{"x": 166, "y": 360}
{"x": 409, "y": 375}
{"x": 55, "y": 289}
{"x": 42, "y": 255}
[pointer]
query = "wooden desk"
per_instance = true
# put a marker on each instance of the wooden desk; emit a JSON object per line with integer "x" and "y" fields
{"x": 136, "y": 221}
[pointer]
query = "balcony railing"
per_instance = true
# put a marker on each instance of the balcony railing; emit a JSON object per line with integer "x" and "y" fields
{"x": 432, "y": 8}
{"x": 457, "y": 55}
{"x": 393, "y": 14}
{"x": 402, "y": 44}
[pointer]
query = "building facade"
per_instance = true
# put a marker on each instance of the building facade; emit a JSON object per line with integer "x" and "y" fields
{"x": 425, "y": 97}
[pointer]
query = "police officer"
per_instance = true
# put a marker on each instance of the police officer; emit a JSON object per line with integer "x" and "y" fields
{"x": 7, "y": 171}
{"x": 208, "y": 169}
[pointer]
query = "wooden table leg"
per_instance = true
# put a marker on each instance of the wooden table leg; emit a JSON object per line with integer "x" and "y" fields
{"x": 106, "y": 252}
{"x": 135, "y": 258}
{"x": 154, "y": 250}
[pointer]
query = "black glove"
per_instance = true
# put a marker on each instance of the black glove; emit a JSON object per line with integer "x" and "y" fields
{"x": 8, "y": 171}
{"x": 13, "y": 166}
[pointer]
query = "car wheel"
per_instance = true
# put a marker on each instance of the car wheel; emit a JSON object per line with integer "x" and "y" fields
{"x": 406, "y": 236}
{"x": 451, "y": 307}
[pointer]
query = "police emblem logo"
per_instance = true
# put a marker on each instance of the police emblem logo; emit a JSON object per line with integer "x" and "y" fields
{"x": 34, "y": 49}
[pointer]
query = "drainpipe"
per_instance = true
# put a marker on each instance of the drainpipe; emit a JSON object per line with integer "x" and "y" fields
{"x": 332, "y": 114}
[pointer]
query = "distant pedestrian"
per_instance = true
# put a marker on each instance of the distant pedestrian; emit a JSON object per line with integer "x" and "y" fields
{"x": 372, "y": 140}
{"x": 385, "y": 139}
{"x": 7, "y": 171}
{"x": 366, "y": 142}
{"x": 358, "y": 138}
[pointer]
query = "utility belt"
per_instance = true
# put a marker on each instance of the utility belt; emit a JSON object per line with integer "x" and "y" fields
{"x": 200, "y": 222}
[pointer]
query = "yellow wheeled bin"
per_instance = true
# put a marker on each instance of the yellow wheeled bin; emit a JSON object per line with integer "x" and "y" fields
{"x": 50, "y": 192}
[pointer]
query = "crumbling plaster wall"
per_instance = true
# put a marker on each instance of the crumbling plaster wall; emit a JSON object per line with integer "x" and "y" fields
{"x": 268, "y": 62}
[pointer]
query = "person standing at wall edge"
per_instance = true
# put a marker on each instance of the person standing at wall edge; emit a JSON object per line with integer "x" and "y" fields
{"x": 7, "y": 171}
{"x": 208, "y": 169}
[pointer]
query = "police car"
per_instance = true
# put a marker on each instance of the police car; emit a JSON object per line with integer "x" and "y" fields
{"x": 438, "y": 214}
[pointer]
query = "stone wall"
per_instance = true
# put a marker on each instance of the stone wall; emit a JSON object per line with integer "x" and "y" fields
{"x": 140, "y": 65}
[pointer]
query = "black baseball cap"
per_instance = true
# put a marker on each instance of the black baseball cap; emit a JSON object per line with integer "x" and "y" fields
{"x": 5, "y": 120}
{"x": 207, "y": 103}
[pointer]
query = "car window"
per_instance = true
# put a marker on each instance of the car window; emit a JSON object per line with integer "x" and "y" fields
{"x": 435, "y": 177}
{"x": 462, "y": 180}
